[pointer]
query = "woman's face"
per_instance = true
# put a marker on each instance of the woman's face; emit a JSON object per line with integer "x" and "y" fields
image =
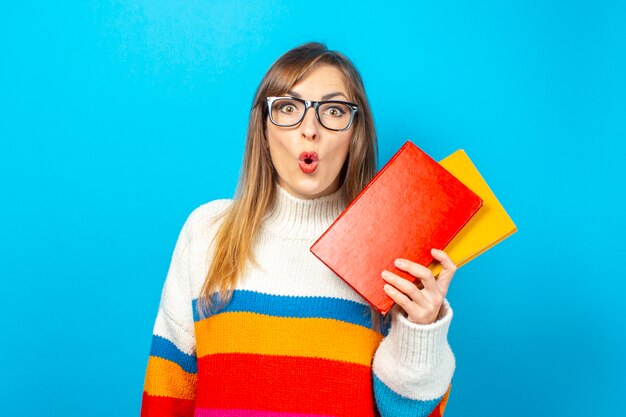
{"x": 287, "y": 144}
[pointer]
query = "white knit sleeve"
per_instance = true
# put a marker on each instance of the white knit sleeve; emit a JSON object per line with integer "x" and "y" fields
{"x": 171, "y": 373}
{"x": 413, "y": 366}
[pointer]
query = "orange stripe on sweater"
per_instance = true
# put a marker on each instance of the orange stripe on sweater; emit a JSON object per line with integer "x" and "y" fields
{"x": 168, "y": 379}
{"x": 245, "y": 332}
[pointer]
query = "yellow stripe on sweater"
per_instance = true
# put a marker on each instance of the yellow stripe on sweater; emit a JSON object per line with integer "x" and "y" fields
{"x": 244, "y": 332}
{"x": 166, "y": 378}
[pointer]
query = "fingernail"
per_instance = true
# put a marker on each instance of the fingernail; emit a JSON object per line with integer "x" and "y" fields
{"x": 399, "y": 262}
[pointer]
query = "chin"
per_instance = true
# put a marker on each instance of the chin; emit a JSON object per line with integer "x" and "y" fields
{"x": 307, "y": 188}
{"x": 321, "y": 189}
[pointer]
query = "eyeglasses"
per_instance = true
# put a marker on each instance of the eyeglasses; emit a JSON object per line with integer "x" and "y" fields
{"x": 332, "y": 114}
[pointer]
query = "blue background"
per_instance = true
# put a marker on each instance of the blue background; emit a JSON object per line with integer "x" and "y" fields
{"x": 117, "y": 118}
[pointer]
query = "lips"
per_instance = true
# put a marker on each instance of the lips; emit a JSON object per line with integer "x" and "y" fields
{"x": 308, "y": 162}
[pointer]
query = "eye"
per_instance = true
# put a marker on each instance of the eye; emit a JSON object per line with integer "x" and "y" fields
{"x": 335, "y": 110}
{"x": 287, "y": 107}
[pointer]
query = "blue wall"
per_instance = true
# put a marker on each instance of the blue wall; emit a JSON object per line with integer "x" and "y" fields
{"x": 117, "y": 118}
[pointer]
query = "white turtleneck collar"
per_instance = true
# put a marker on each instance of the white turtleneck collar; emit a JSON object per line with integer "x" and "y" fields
{"x": 298, "y": 218}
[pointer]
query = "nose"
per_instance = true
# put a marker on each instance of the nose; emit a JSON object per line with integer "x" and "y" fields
{"x": 310, "y": 125}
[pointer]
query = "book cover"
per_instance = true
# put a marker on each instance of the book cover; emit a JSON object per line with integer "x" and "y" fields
{"x": 488, "y": 227}
{"x": 411, "y": 205}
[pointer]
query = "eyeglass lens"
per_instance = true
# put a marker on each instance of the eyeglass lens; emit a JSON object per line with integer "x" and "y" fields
{"x": 288, "y": 112}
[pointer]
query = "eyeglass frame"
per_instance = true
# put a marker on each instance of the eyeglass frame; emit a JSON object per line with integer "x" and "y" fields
{"x": 315, "y": 104}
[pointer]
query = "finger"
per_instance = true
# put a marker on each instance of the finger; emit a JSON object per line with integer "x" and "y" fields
{"x": 448, "y": 269}
{"x": 411, "y": 308}
{"x": 406, "y": 287}
{"x": 419, "y": 271}
{"x": 444, "y": 259}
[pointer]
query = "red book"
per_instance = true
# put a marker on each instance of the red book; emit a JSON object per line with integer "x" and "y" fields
{"x": 410, "y": 206}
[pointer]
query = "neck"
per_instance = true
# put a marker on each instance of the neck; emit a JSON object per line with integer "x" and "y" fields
{"x": 299, "y": 218}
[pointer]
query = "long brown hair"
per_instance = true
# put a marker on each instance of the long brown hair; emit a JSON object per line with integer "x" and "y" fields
{"x": 254, "y": 196}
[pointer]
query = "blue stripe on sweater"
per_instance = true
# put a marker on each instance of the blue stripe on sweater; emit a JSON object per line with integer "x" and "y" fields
{"x": 390, "y": 403}
{"x": 295, "y": 306}
{"x": 164, "y": 348}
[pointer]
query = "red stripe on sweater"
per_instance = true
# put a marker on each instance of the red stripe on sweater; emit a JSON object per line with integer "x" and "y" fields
{"x": 284, "y": 384}
{"x": 153, "y": 406}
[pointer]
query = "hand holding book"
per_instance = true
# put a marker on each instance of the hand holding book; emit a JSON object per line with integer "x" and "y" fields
{"x": 421, "y": 306}
{"x": 414, "y": 204}
{"x": 410, "y": 206}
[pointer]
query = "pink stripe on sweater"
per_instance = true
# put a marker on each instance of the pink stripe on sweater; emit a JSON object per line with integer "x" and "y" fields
{"x": 223, "y": 412}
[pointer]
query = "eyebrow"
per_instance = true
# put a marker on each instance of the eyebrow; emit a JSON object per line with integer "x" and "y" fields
{"x": 325, "y": 97}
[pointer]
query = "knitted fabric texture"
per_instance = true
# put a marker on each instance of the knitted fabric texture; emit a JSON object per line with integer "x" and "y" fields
{"x": 294, "y": 341}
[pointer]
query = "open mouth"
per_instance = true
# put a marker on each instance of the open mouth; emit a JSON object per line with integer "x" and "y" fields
{"x": 308, "y": 157}
{"x": 308, "y": 162}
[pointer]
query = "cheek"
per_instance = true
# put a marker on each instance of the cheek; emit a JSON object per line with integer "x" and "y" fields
{"x": 278, "y": 146}
{"x": 343, "y": 146}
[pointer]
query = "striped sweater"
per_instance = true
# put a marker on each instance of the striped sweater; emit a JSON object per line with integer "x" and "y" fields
{"x": 294, "y": 341}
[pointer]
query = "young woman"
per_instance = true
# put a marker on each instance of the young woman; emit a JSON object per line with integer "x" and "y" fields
{"x": 250, "y": 323}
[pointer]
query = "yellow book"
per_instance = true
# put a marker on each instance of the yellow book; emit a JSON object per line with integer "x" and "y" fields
{"x": 488, "y": 226}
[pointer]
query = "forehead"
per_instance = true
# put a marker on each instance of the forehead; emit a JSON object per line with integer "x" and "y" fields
{"x": 321, "y": 80}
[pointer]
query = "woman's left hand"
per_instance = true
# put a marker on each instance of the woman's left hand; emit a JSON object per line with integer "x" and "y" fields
{"x": 421, "y": 306}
